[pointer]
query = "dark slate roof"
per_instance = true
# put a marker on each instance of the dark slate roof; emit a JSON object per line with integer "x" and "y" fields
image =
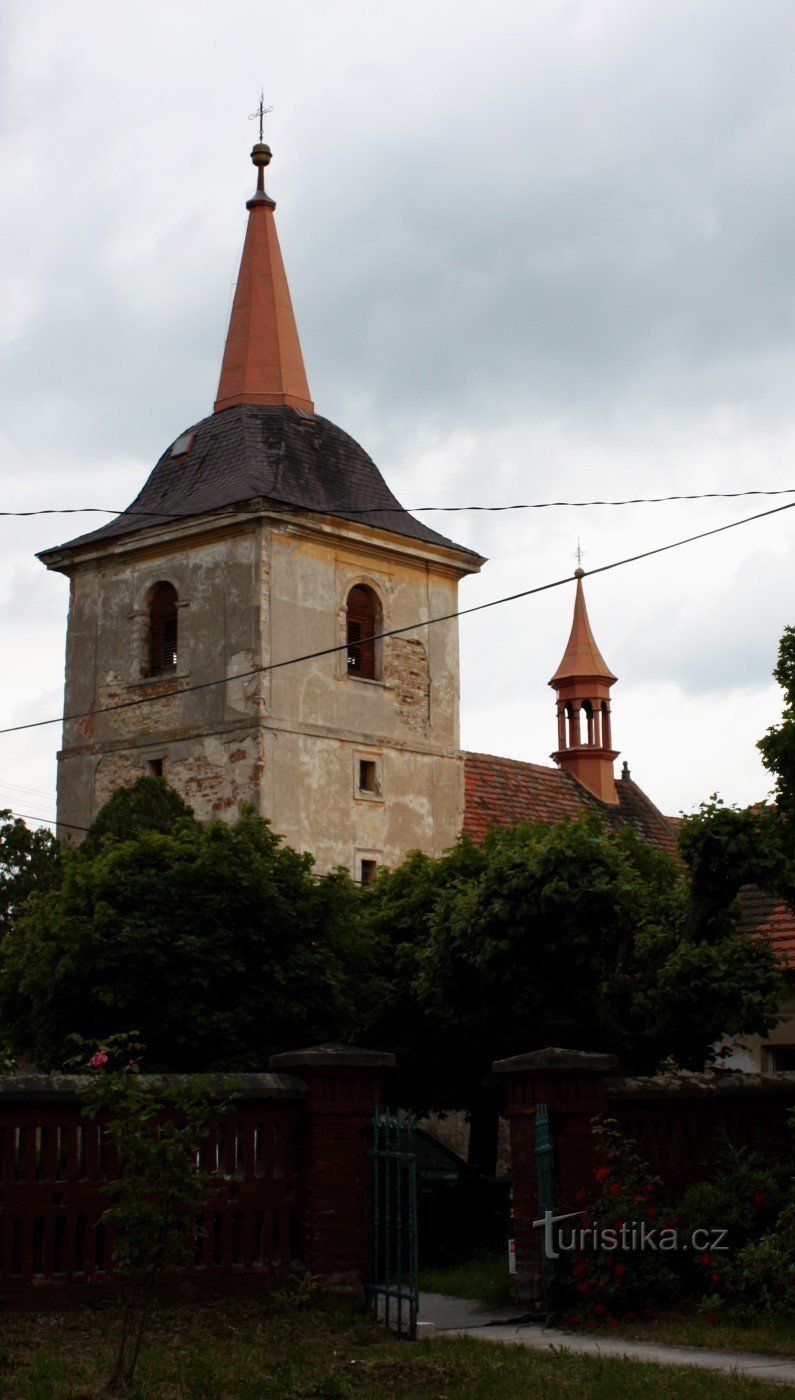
{"x": 503, "y": 791}
{"x": 253, "y": 451}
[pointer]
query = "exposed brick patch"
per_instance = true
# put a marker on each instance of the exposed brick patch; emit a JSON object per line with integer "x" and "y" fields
{"x": 406, "y": 671}
{"x": 161, "y": 711}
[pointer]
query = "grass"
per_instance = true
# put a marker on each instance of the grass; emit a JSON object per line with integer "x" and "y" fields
{"x": 236, "y": 1351}
{"x": 485, "y": 1277}
{"x": 732, "y": 1331}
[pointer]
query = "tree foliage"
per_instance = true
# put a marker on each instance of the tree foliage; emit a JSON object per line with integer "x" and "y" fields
{"x": 778, "y": 744}
{"x": 216, "y": 943}
{"x": 573, "y": 935}
{"x": 28, "y": 862}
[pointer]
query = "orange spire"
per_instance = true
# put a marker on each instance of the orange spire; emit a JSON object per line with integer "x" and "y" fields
{"x": 262, "y": 358}
{"x": 582, "y": 682}
{"x": 582, "y": 656}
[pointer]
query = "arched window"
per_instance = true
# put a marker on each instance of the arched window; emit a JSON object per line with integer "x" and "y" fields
{"x": 362, "y": 622}
{"x": 162, "y": 630}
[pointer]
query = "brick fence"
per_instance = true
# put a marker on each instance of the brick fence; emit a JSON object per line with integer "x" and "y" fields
{"x": 676, "y": 1123}
{"x": 295, "y": 1143}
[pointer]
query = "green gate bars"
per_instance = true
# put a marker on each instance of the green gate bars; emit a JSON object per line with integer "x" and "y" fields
{"x": 544, "y": 1181}
{"x": 394, "y": 1287}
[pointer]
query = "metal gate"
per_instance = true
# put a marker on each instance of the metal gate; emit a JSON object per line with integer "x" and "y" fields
{"x": 394, "y": 1286}
{"x": 544, "y": 1180}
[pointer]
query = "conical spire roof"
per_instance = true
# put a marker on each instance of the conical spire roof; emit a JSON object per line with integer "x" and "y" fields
{"x": 262, "y": 361}
{"x": 582, "y": 658}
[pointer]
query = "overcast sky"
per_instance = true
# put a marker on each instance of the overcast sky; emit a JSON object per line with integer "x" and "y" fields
{"x": 537, "y": 251}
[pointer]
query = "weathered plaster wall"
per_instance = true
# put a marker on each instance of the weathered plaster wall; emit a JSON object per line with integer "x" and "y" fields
{"x": 289, "y": 740}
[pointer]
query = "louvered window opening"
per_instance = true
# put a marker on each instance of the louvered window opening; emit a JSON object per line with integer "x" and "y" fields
{"x": 362, "y": 624}
{"x": 163, "y": 631}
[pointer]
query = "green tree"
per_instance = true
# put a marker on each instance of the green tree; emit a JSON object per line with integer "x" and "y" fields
{"x": 149, "y": 804}
{"x": 216, "y": 943}
{"x": 28, "y": 863}
{"x": 571, "y": 934}
{"x": 778, "y": 744}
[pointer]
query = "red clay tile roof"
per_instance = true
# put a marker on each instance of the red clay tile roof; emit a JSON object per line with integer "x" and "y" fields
{"x": 255, "y": 451}
{"x": 503, "y": 791}
{"x": 767, "y": 914}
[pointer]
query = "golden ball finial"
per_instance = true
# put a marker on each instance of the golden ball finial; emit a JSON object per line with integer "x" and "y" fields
{"x": 261, "y": 154}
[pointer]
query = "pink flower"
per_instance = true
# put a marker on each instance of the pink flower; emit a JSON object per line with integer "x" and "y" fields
{"x": 98, "y": 1060}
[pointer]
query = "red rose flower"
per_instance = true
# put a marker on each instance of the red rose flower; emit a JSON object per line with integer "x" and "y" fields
{"x": 583, "y": 1287}
{"x": 602, "y": 1173}
{"x": 711, "y": 1319}
{"x": 574, "y": 1320}
{"x": 705, "y": 1260}
{"x": 714, "y": 1278}
{"x": 621, "y": 1269}
{"x": 650, "y": 1212}
{"x": 579, "y": 1197}
{"x": 612, "y": 1322}
{"x": 600, "y": 1309}
{"x": 649, "y": 1188}
{"x": 613, "y": 1189}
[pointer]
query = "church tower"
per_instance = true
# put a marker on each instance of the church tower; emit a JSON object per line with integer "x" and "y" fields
{"x": 263, "y": 535}
{"x": 582, "y": 683}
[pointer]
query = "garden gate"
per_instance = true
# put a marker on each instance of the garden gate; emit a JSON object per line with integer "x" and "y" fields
{"x": 394, "y": 1286}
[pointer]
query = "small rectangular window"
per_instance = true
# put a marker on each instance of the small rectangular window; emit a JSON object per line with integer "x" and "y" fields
{"x": 780, "y": 1058}
{"x": 368, "y": 776}
{"x": 368, "y": 871}
{"x": 155, "y": 767}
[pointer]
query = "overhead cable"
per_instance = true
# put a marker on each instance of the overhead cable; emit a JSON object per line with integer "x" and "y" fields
{"x": 396, "y": 509}
{"x": 394, "y": 631}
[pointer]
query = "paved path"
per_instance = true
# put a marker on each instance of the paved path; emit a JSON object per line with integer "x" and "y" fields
{"x": 440, "y": 1314}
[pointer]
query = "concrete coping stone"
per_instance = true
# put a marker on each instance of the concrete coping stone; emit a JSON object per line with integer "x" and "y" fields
{"x": 554, "y": 1057}
{"x": 61, "y": 1088}
{"x": 332, "y": 1057}
{"x": 686, "y": 1084}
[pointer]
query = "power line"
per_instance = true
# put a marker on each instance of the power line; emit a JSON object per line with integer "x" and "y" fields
{"x": 395, "y": 509}
{"x": 45, "y": 821}
{"x": 395, "y": 631}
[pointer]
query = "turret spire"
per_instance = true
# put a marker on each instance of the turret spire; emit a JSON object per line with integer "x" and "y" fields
{"x": 582, "y": 682}
{"x": 262, "y": 361}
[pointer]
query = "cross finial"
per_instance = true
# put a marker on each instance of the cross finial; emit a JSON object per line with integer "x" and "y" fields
{"x": 579, "y": 554}
{"x": 261, "y": 112}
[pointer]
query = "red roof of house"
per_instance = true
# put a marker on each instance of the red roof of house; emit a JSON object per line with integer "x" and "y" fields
{"x": 503, "y": 791}
{"x": 767, "y": 914}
